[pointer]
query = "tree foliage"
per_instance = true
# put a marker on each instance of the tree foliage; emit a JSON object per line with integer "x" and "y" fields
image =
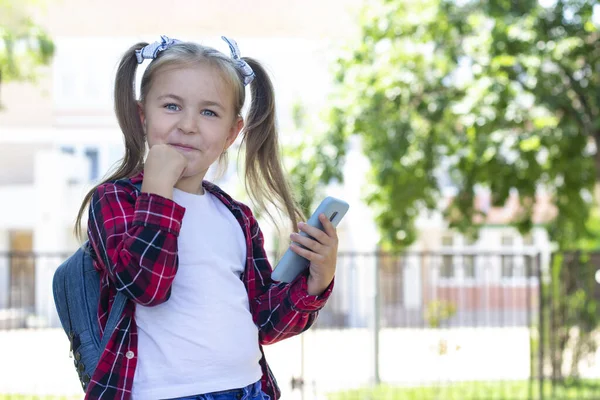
{"x": 500, "y": 94}
{"x": 310, "y": 160}
{"x": 24, "y": 46}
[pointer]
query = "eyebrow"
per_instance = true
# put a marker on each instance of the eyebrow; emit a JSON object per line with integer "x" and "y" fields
{"x": 180, "y": 99}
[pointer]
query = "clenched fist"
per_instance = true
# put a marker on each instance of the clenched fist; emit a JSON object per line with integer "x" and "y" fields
{"x": 163, "y": 168}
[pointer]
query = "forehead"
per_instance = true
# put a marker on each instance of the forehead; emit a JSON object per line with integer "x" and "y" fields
{"x": 193, "y": 82}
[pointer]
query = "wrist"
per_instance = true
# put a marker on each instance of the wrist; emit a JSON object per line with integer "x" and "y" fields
{"x": 317, "y": 287}
{"x": 149, "y": 186}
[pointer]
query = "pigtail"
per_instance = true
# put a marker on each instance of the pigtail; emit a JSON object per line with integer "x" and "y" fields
{"x": 265, "y": 177}
{"x": 126, "y": 108}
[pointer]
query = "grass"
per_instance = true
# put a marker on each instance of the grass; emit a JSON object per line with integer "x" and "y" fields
{"x": 582, "y": 390}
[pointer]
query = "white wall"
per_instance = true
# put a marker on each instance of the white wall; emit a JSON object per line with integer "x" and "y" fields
{"x": 18, "y": 208}
{"x": 4, "y": 269}
{"x": 53, "y": 217}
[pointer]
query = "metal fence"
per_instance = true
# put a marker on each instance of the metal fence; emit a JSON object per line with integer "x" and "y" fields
{"x": 482, "y": 289}
{"x": 430, "y": 325}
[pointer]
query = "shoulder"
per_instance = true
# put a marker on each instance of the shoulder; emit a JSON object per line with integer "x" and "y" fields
{"x": 117, "y": 190}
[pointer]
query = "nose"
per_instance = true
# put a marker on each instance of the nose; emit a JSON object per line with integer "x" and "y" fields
{"x": 188, "y": 122}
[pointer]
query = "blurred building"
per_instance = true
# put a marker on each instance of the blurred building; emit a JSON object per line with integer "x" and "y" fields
{"x": 59, "y": 137}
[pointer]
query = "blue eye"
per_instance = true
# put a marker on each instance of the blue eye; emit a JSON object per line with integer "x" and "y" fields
{"x": 208, "y": 113}
{"x": 172, "y": 107}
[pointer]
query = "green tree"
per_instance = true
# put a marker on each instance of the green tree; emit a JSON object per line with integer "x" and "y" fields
{"x": 311, "y": 165}
{"x": 499, "y": 94}
{"x": 24, "y": 46}
{"x": 309, "y": 160}
{"x": 496, "y": 94}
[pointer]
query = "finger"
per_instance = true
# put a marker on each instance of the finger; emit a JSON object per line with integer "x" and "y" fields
{"x": 309, "y": 255}
{"x": 316, "y": 233}
{"x": 307, "y": 242}
{"x": 328, "y": 225}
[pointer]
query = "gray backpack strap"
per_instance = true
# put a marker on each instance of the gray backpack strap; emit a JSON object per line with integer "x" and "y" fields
{"x": 116, "y": 309}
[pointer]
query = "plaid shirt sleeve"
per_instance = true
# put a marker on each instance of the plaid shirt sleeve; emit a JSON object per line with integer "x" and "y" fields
{"x": 135, "y": 239}
{"x": 280, "y": 310}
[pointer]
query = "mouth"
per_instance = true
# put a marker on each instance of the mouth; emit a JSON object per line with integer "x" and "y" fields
{"x": 182, "y": 147}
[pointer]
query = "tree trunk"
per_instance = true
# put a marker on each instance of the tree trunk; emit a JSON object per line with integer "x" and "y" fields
{"x": 597, "y": 164}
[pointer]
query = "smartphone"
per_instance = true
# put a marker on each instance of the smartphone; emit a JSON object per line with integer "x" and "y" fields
{"x": 292, "y": 264}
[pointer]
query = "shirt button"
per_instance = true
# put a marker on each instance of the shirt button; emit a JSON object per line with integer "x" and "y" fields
{"x": 129, "y": 355}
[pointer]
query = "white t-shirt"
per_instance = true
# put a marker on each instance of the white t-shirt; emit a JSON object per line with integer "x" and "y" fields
{"x": 202, "y": 339}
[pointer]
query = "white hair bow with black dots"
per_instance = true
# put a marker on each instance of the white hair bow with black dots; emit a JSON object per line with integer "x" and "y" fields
{"x": 241, "y": 65}
{"x": 150, "y": 52}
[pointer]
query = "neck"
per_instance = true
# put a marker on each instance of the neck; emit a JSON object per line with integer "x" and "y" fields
{"x": 191, "y": 184}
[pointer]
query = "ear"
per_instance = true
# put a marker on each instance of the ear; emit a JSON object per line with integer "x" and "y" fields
{"x": 236, "y": 128}
{"x": 142, "y": 115}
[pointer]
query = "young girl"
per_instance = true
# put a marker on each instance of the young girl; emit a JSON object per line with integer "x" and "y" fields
{"x": 189, "y": 258}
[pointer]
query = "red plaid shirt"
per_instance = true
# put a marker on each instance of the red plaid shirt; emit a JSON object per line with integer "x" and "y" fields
{"x": 134, "y": 241}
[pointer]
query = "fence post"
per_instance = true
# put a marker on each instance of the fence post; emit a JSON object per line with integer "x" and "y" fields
{"x": 541, "y": 343}
{"x": 302, "y": 371}
{"x": 529, "y": 274}
{"x": 377, "y": 320}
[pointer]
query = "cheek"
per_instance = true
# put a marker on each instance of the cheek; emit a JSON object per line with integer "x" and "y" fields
{"x": 152, "y": 139}
{"x": 217, "y": 145}
{"x": 155, "y": 135}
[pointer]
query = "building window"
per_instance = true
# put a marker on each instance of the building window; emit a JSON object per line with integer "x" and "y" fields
{"x": 507, "y": 240}
{"x": 469, "y": 267}
{"x": 529, "y": 264}
{"x": 507, "y": 264}
{"x": 92, "y": 155}
{"x": 21, "y": 271}
{"x": 528, "y": 240}
{"x": 507, "y": 267}
{"x": 447, "y": 267}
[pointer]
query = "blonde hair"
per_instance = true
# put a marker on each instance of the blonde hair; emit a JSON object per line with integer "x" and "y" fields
{"x": 265, "y": 180}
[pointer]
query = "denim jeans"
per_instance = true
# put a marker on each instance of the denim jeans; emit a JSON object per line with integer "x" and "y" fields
{"x": 250, "y": 392}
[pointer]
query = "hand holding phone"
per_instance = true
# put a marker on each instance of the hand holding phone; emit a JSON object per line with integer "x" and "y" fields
{"x": 292, "y": 264}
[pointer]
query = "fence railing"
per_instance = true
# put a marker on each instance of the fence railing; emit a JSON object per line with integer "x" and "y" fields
{"x": 439, "y": 324}
{"x": 435, "y": 290}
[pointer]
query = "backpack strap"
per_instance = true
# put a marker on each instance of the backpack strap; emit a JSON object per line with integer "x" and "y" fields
{"x": 117, "y": 307}
{"x": 113, "y": 318}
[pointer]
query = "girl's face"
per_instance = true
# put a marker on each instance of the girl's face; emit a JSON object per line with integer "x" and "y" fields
{"x": 191, "y": 109}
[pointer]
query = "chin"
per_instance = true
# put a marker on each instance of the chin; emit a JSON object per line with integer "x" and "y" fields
{"x": 192, "y": 173}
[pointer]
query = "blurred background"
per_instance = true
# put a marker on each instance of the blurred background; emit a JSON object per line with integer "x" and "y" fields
{"x": 464, "y": 134}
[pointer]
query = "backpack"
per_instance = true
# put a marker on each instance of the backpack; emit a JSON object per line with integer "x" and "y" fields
{"x": 76, "y": 290}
